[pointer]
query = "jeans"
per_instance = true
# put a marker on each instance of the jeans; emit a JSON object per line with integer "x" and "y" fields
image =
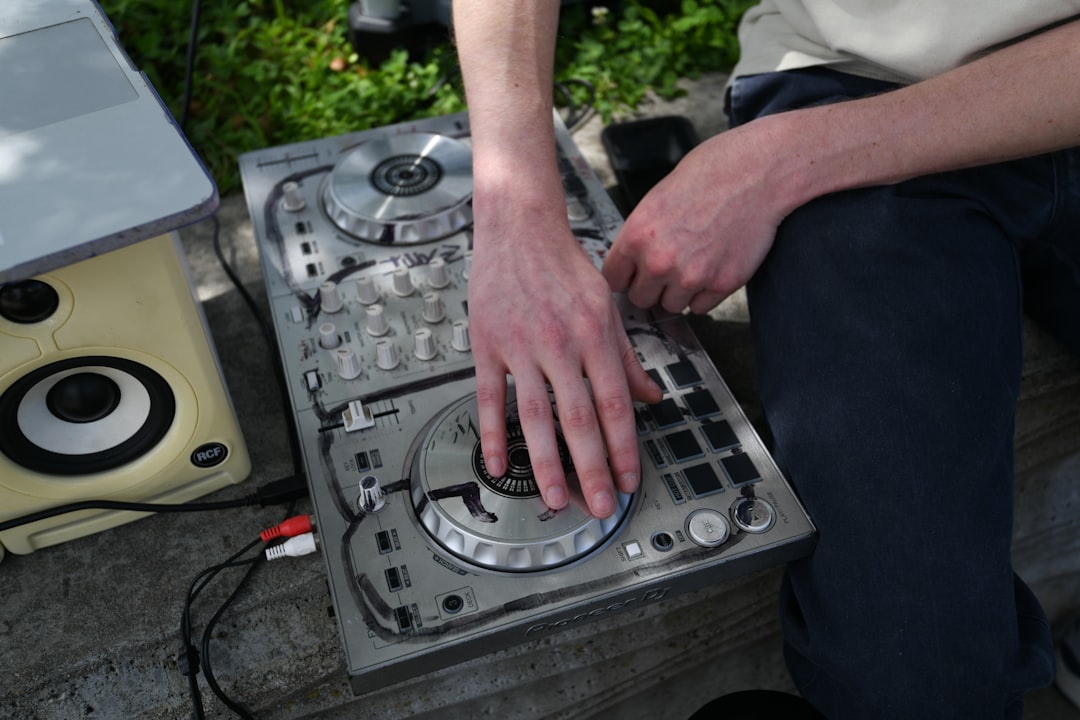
{"x": 887, "y": 328}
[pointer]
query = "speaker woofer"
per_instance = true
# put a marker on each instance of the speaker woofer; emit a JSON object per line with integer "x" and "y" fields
{"x": 84, "y": 415}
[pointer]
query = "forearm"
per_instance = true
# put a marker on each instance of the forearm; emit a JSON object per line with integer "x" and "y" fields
{"x": 1022, "y": 100}
{"x": 506, "y": 50}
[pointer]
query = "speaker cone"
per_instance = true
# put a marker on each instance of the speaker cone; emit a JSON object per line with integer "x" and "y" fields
{"x": 84, "y": 415}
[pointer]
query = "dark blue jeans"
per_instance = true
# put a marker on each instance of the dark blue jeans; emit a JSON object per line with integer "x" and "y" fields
{"x": 887, "y": 327}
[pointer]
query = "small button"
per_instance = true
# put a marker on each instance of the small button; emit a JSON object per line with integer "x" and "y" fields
{"x": 684, "y": 446}
{"x": 666, "y": 414}
{"x": 740, "y": 469}
{"x": 719, "y": 435}
{"x": 703, "y": 480}
{"x": 753, "y": 514}
{"x": 633, "y": 550}
{"x": 683, "y": 374}
{"x": 707, "y": 528}
{"x": 702, "y": 404}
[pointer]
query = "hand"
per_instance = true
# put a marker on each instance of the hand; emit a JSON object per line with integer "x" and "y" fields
{"x": 700, "y": 233}
{"x": 541, "y": 312}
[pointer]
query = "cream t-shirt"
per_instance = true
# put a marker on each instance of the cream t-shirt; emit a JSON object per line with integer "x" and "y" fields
{"x": 896, "y": 40}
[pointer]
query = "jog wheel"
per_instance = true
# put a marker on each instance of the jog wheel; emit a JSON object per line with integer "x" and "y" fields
{"x": 500, "y": 523}
{"x": 402, "y": 189}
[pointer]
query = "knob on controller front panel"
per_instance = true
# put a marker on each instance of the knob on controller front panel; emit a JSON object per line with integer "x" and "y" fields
{"x": 365, "y": 243}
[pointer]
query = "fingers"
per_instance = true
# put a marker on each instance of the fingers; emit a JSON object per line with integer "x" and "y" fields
{"x": 596, "y": 417}
{"x": 491, "y": 411}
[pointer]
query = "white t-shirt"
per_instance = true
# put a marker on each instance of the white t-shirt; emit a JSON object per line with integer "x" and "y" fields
{"x": 896, "y": 40}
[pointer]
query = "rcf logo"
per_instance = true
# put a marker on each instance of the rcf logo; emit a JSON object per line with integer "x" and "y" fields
{"x": 209, "y": 454}
{"x": 649, "y": 596}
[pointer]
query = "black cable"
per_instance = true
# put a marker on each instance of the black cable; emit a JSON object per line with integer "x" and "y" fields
{"x": 205, "y": 664}
{"x": 576, "y": 115}
{"x": 189, "y": 658}
{"x": 273, "y": 493}
{"x": 189, "y": 66}
{"x": 279, "y": 371}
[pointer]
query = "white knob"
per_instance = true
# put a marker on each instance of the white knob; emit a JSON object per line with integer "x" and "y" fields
{"x": 293, "y": 199}
{"x": 365, "y": 291}
{"x": 348, "y": 365}
{"x": 468, "y": 264}
{"x": 434, "y": 310}
{"x": 438, "y": 274}
{"x": 425, "y": 344}
{"x": 329, "y": 297}
{"x": 372, "y": 498}
{"x": 386, "y": 355}
{"x": 403, "y": 285}
{"x": 377, "y": 325}
{"x": 328, "y": 336}
{"x": 460, "y": 339}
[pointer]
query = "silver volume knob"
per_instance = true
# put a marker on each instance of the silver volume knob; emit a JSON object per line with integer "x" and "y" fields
{"x": 366, "y": 292}
{"x": 438, "y": 274}
{"x": 330, "y": 298}
{"x": 348, "y": 365}
{"x": 425, "y": 344}
{"x": 377, "y": 325}
{"x": 434, "y": 310}
{"x": 328, "y": 336}
{"x": 292, "y": 199}
{"x": 403, "y": 285}
{"x": 386, "y": 356}
{"x": 372, "y": 498}
{"x": 460, "y": 338}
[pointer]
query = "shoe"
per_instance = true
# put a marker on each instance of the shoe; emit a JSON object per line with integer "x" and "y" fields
{"x": 758, "y": 705}
{"x": 1068, "y": 662}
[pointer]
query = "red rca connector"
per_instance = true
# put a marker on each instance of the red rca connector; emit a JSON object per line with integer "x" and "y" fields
{"x": 291, "y": 527}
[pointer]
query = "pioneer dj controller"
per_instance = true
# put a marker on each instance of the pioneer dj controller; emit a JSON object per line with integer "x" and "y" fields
{"x": 365, "y": 244}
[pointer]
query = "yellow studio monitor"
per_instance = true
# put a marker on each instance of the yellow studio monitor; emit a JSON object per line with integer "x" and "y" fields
{"x": 110, "y": 389}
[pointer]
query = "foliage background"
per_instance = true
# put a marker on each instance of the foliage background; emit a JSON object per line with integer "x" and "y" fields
{"x": 269, "y": 72}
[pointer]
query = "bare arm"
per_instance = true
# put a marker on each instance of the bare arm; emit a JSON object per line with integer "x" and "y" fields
{"x": 685, "y": 248}
{"x": 539, "y": 309}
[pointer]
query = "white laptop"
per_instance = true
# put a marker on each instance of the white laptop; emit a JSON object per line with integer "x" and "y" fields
{"x": 90, "y": 158}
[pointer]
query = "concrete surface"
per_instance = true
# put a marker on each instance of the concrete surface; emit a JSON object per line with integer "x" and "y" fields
{"x": 90, "y": 629}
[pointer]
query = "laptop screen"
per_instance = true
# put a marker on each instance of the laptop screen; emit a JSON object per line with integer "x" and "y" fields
{"x": 57, "y": 73}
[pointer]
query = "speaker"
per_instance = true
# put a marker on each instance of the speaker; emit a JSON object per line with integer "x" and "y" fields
{"x": 110, "y": 389}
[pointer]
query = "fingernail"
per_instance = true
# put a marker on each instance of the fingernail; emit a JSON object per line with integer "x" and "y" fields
{"x": 603, "y": 504}
{"x": 494, "y": 466}
{"x": 556, "y": 497}
{"x": 628, "y": 482}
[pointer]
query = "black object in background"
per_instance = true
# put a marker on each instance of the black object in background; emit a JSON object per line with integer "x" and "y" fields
{"x": 642, "y": 152}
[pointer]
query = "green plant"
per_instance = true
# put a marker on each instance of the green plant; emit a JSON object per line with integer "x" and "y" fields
{"x": 271, "y": 72}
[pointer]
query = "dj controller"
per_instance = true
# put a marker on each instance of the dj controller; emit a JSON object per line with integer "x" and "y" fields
{"x": 365, "y": 242}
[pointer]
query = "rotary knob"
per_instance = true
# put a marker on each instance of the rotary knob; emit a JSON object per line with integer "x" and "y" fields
{"x": 434, "y": 310}
{"x": 377, "y": 325}
{"x": 328, "y": 336}
{"x": 438, "y": 274}
{"x": 348, "y": 364}
{"x": 386, "y": 355}
{"x": 372, "y": 498}
{"x": 365, "y": 291}
{"x": 403, "y": 284}
{"x": 330, "y": 297}
{"x": 292, "y": 198}
{"x": 425, "y": 344}
{"x": 460, "y": 336}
